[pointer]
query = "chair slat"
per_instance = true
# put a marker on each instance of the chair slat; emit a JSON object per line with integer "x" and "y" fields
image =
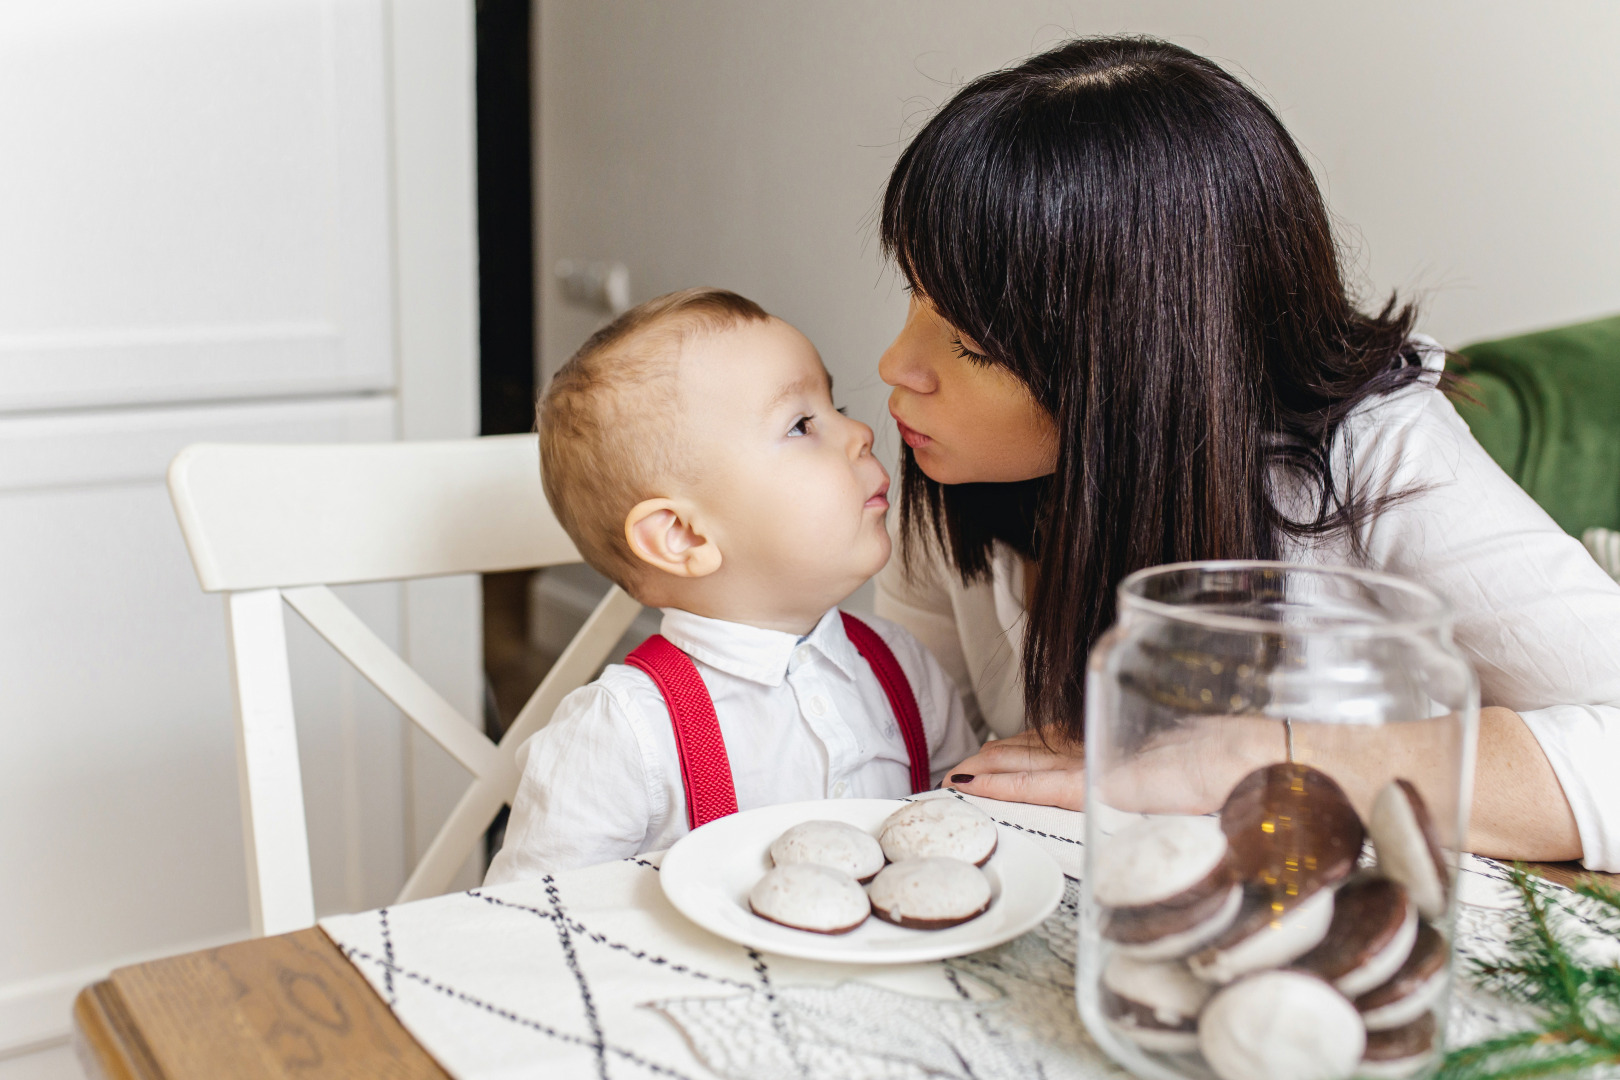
{"x": 399, "y": 683}
{"x": 577, "y": 664}
{"x": 271, "y": 785}
{"x": 456, "y": 839}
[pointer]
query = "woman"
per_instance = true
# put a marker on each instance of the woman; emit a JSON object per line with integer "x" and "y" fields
{"x": 1129, "y": 343}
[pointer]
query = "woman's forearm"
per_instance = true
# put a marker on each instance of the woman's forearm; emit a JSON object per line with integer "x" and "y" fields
{"x": 1520, "y": 811}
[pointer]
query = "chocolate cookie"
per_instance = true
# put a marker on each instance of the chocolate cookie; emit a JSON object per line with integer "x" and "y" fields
{"x": 1373, "y": 929}
{"x": 1411, "y": 991}
{"x": 1154, "y": 1005}
{"x": 830, "y": 843}
{"x": 1281, "y": 1025}
{"x": 1267, "y": 933}
{"x": 930, "y": 894}
{"x": 949, "y": 828}
{"x": 1292, "y": 827}
{"x": 1396, "y": 1053}
{"x": 805, "y": 896}
{"x": 1165, "y": 886}
{"x": 1408, "y": 846}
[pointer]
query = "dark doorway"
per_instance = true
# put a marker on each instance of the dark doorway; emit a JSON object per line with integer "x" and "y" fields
{"x": 505, "y": 217}
{"x": 506, "y": 246}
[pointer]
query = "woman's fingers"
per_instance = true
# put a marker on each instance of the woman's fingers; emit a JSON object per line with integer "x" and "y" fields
{"x": 1064, "y": 787}
{"x": 1021, "y": 753}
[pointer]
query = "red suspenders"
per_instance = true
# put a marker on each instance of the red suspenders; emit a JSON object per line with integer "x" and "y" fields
{"x": 705, "y": 769}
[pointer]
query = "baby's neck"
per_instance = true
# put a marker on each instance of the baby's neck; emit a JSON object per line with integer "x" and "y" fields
{"x": 798, "y": 616}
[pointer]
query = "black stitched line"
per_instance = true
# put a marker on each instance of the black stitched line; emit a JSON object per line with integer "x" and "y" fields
{"x": 778, "y": 1021}
{"x": 388, "y": 952}
{"x": 955, "y": 980}
{"x": 602, "y": 939}
{"x": 566, "y": 939}
{"x": 642, "y": 862}
{"x": 506, "y": 1014}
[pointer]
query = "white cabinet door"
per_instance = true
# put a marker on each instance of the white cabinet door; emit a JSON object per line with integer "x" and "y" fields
{"x": 120, "y": 835}
{"x": 193, "y": 200}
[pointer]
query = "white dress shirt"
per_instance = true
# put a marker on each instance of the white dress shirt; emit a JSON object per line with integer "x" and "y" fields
{"x": 802, "y": 718}
{"x": 1536, "y": 616}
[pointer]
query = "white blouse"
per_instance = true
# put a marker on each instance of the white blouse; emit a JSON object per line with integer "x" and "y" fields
{"x": 1537, "y": 617}
{"x": 802, "y": 718}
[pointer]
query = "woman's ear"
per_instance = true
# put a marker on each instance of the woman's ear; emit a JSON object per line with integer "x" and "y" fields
{"x": 661, "y": 534}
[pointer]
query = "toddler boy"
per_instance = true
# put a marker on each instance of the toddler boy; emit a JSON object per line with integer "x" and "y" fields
{"x": 692, "y": 451}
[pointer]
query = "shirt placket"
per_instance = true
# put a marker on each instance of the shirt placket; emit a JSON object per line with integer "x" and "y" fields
{"x": 812, "y": 692}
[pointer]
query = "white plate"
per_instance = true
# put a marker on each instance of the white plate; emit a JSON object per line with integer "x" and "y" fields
{"x": 709, "y": 871}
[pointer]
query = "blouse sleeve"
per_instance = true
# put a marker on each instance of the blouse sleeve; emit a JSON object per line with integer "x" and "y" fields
{"x": 1536, "y": 615}
{"x": 950, "y": 738}
{"x": 583, "y": 797}
{"x": 920, "y": 602}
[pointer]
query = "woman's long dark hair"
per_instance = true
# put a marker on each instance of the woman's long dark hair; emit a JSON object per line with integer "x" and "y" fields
{"x": 1132, "y": 233}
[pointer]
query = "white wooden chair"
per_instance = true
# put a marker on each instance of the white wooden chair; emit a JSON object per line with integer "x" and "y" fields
{"x": 266, "y": 524}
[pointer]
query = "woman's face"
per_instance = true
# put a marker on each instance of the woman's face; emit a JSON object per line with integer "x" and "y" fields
{"x": 967, "y": 420}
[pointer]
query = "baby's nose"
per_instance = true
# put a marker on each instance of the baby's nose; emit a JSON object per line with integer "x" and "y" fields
{"x": 864, "y": 438}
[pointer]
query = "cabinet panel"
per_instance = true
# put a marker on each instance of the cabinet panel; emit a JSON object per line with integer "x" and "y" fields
{"x": 121, "y": 831}
{"x": 195, "y": 201}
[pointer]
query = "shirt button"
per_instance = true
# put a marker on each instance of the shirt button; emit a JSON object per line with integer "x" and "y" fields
{"x": 839, "y": 789}
{"x": 818, "y": 706}
{"x": 801, "y": 656}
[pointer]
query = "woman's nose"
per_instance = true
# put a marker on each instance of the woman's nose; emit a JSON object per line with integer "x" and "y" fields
{"x": 904, "y": 362}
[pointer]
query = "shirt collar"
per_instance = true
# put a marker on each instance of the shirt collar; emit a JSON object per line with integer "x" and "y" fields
{"x": 751, "y": 653}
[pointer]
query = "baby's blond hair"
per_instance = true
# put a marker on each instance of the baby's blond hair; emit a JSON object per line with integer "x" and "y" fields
{"x": 608, "y": 422}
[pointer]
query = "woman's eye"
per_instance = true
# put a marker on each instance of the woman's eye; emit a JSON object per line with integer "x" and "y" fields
{"x": 966, "y": 353}
{"x": 802, "y": 427}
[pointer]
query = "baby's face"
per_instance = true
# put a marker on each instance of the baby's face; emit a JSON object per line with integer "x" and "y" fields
{"x": 787, "y": 482}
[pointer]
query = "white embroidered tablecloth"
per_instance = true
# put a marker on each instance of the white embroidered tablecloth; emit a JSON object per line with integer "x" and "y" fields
{"x": 592, "y": 974}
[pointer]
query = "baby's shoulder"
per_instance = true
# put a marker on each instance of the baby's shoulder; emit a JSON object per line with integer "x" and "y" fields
{"x": 621, "y": 689}
{"x": 912, "y": 654}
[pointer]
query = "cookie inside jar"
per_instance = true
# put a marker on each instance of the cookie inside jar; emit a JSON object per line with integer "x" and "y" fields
{"x": 1276, "y": 938}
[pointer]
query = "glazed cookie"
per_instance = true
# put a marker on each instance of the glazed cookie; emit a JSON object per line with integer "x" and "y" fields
{"x": 1413, "y": 990}
{"x": 1263, "y": 937}
{"x": 930, "y": 894}
{"x": 830, "y": 843}
{"x": 805, "y": 896}
{"x": 1374, "y": 927}
{"x": 1166, "y": 886}
{"x": 1281, "y": 1025}
{"x": 944, "y": 827}
{"x": 1154, "y": 1005}
{"x": 1408, "y": 847}
{"x": 1293, "y": 827}
{"x": 1396, "y": 1053}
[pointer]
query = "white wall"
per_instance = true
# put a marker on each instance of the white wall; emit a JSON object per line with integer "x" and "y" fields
{"x": 250, "y": 221}
{"x": 1471, "y": 148}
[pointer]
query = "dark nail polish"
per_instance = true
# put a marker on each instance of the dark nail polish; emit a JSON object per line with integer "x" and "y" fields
{"x": 961, "y": 778}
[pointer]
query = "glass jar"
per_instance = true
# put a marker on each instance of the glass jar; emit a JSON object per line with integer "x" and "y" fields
{"x": 1278, "y": 771}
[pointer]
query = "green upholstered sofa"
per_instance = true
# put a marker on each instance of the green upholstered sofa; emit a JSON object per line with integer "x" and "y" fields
{"x": 1547, "y": 409}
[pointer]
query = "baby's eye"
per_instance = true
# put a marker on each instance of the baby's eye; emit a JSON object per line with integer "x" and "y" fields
{"x": 801, "y": 427}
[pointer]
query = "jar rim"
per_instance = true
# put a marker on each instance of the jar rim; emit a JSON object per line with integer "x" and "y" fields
{"x": 1433, "y": 613}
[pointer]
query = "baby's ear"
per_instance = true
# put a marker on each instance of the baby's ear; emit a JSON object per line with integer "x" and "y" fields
{"x": 662, "y": 535}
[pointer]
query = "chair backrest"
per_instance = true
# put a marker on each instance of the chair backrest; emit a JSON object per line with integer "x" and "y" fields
{"x": 267, "y": 524}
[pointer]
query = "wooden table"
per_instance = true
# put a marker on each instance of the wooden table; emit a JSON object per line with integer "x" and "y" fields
{"x": 288, "y": 1006}
{"x": 275, "y": 1007}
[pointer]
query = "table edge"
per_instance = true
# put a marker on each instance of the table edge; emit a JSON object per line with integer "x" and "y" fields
{"x": 106, "y": 1041}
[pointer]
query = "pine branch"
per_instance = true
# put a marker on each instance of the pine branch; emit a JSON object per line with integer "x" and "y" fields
{"x": 1578, "y": 1002}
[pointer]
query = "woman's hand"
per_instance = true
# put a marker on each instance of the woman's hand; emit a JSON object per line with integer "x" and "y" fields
{"x": 1186, "y": 771}
{"x": 1023, "y": 769}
